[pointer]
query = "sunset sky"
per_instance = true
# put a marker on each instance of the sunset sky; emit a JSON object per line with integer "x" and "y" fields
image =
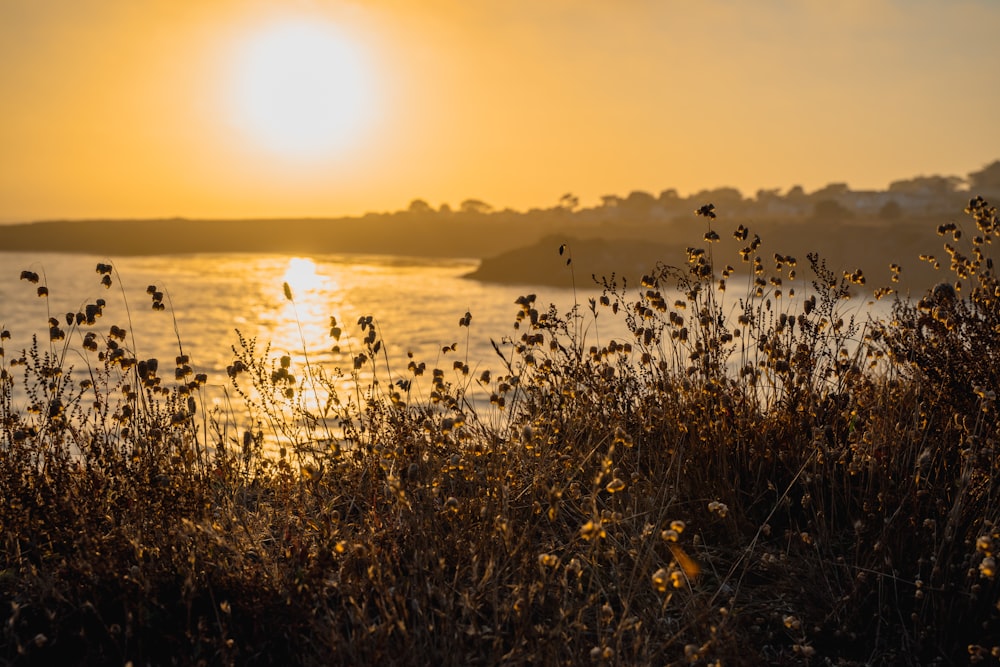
{"x": 254, "y": 108}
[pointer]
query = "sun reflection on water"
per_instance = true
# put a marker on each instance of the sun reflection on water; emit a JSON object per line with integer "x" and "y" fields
{"x": 301, "y": 275}
{"x": 299, "y": 327}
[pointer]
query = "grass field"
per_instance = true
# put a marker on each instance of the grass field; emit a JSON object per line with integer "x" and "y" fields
{"x": 777, "y": 485}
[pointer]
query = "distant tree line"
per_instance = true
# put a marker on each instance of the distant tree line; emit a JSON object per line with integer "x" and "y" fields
{"x": 921, "y": 195}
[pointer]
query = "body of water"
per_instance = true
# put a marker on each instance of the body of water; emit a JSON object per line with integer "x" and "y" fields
{"x": 416, "y": 305}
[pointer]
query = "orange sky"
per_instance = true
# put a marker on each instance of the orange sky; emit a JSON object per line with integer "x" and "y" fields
{"x": 116, "y": 108}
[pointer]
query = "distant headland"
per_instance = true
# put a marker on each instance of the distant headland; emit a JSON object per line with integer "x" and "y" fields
{"x": 622, "y": 234}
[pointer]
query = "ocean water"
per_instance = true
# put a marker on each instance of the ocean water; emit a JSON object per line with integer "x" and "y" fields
{"x": 415, "y": 303}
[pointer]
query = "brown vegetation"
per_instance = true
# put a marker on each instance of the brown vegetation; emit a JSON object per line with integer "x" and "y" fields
{"x": 777, "y": 484}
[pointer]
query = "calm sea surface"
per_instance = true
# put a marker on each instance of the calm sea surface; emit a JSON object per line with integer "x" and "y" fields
{"x": 416, "y": 304}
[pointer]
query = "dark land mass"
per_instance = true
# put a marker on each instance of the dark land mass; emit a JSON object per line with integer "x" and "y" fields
{"x": 517, "y": 247}
{"x": 866, "y": 245}
{"x": 626, "y": 236}
{"x": 376, "y": 233}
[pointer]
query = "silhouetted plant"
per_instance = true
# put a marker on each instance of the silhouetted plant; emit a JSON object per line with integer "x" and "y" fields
{"x": 751, "y": 475}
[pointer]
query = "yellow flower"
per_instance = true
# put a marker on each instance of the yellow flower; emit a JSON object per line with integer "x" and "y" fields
{"x": 661, "y": 580}
{"x": 548, "y": 560}
{"x": 591, "y": 530}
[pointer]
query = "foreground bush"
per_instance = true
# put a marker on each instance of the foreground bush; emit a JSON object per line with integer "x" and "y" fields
{"x": 752, "y": 479}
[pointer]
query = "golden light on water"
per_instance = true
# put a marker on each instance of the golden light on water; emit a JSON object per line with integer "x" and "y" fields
{"x": 301, "y": 275}
{"x": 301, "y": 321}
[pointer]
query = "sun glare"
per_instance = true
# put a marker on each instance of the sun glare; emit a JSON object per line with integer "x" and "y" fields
{"x": 300, "y": 320}
{"x": 301, "y": 275}
{"x": 301, "y": 89}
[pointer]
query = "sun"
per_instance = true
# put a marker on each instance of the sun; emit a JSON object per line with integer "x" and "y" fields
{"x": 301, "y": 89}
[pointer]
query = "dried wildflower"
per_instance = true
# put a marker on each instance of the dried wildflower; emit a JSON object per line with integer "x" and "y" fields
{"x": 707, "y": 210}
{"x": 804, "y": 649}
{"x": 718, "y": 508}
{"x": 661, "y": 580}
{"x": 548, "y": 560}
{"x": 607, "y": 613}
{"x": 592, "y": 530}
{"x": 615, "y": 485}
{"x": 986, "y": 395}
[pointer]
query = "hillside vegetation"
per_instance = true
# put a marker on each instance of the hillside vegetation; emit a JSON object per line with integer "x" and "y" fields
{"x": 776, "y": 485}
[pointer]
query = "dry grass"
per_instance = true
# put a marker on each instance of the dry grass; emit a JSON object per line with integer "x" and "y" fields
{"x": 750, "y": 479}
